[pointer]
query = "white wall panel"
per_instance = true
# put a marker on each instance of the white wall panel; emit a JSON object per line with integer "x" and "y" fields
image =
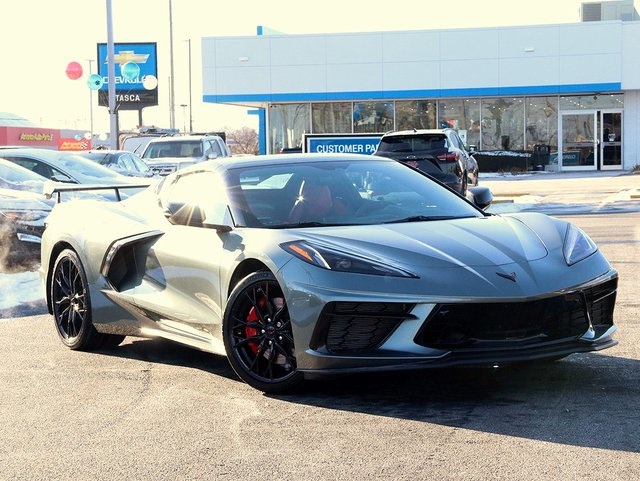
{"x": 230, "y": 50}
{"x": 580, "y": 69}
{"x": 354, "y": 48}
{"x": 631, "y": 129}
{"x": 286, "y": 79}
{"x": 517, "y": 72}
{"x": 565, "y": 54}
{"x": 423, "y": 46}
{"x": 411, "y": 75}
{"x": 470, "y": 74}
{"x": 356, "y": 78}
{"x": 245, "y": 79}
{"x": 591, "y": 38}
{"x": 469, "y": 44}
{"x": 630, "y": 56}
{"x": 518, "y": 42}
{"x": 306, "y": 50}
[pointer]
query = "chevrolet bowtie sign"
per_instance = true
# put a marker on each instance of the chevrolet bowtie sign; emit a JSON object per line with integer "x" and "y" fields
{"x": 132, "y": 92}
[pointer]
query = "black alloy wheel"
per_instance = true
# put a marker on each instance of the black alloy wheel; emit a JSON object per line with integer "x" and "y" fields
{"x": 72, "y": 306}
{"x": 258, "y": 337}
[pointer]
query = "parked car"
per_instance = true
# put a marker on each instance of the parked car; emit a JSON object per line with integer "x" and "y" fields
{"x": 439, "y": 152}
{"x": 62, "y": 166}
{"x": 165, "y": 155}
{"x": 23, "y": 210}
{"x": 293, "y": 268}
{"x": 122, "y": 161}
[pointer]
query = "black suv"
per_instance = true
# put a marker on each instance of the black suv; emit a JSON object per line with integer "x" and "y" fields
{"x": 438, "y": 152}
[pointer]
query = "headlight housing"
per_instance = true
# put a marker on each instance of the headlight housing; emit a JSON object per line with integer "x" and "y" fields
{"x": 335, "y": 260}
{"x": 577, "y": 245}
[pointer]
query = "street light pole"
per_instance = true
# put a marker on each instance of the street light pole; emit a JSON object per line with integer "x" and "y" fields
{"x": 184, "y": 117}
{"x": 91, "y": 103}
{"x": 190, "y": 99}
{"x": 113, "y": 114}
{"x": 172, "y": 104}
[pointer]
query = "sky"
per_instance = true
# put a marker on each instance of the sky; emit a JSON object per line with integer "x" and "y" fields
{"x": 40, "y": 37}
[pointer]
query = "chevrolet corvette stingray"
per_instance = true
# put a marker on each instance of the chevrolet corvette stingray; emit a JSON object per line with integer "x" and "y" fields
{"x": 319, "y": 263}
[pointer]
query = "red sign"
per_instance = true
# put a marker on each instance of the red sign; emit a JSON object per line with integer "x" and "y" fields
{"x": 73, "y": 144}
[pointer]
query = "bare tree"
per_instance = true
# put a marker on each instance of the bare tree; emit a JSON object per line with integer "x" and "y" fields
{"x": 243, "y": 141}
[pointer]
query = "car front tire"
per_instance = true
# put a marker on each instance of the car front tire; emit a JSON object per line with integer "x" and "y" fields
{"x": 258, "y": 337}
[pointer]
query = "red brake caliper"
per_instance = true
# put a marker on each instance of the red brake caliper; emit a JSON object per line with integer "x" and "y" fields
{"x": 253, "y": 316}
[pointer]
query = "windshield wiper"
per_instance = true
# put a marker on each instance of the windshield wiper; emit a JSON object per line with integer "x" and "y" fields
{"x": 423, "y": 218}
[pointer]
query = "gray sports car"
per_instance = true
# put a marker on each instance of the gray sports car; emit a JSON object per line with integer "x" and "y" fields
{"x": 310, "y": 263}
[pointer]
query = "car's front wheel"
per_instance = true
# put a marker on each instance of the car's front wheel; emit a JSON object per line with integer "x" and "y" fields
{"x": 257, "y": 334}
{"x": 71, "y": 303}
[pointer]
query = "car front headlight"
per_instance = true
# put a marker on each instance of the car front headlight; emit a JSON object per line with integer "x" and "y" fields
{"x": 577, "y": 245}
{"x": 336, "y": 260}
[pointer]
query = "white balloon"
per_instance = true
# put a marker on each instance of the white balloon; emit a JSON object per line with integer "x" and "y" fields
{"x": 149, "y": 82}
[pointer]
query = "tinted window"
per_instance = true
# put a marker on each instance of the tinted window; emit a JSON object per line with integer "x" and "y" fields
{"x": 362, "y": 192}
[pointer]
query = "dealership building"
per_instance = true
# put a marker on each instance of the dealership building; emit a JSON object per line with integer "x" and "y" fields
{"x": 567, "y": 95}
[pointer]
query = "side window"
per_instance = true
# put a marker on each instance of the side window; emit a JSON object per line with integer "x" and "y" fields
{"x": 455, "y": 140}
{"x": 215, "y": 148}
{"x": 126, "y": 162}
{"x": 195, "y": 198}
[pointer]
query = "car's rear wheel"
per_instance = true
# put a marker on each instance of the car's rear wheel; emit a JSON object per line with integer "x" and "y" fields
{"x": 257, "y": 334}
{"x": 71, "y": 303}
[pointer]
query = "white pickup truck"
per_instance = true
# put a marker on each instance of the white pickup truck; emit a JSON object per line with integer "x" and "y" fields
{"x": 165, "y": 155}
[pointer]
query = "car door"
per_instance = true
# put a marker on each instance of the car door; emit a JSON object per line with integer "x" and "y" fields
{"x": 182, "y": 275}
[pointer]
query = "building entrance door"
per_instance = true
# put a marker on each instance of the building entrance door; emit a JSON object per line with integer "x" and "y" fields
{"x": 611, "y": 139}
{"x": 579, "y": 140}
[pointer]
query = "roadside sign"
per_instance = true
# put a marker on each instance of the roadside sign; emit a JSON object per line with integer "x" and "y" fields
{"x": 341, "y": 143}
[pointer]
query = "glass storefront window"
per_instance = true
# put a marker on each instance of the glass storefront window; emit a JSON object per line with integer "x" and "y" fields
{"x": 330, "y": 118}
{"x": 372, "y": 117}
{"x": 419, "y": 114}
{"x": 592, "y": 102}
{"x": 463, "y": 115}
{"x": 503, "y": 124}
{"x": 287, "y": 125}
{"x": 542, "y": 123}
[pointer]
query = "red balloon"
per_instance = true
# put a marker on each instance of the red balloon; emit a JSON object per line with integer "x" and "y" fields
{"x": 74, "y": 70}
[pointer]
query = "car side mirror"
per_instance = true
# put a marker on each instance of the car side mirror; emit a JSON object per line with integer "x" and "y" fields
{"x": 480, "y": 196}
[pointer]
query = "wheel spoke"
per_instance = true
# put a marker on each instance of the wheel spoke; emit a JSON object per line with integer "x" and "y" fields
{"x": 261, "y": 332}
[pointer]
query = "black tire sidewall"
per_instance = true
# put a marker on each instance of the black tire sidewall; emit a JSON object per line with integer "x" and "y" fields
{"x": 87, "y": 333}
{"x": 238, "y": 366}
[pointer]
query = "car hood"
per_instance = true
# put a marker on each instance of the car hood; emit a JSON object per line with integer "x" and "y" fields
{"x": 171, "y": 160}
{"x": 24, "y": 200}
{"x": 473, "y": 242}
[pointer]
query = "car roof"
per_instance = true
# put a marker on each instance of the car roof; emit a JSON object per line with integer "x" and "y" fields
{"x": 416, "y": 132}
{"x": 181, "y": 138}
{"x": 276, "y": 159}
{"x": 44, "y": 153}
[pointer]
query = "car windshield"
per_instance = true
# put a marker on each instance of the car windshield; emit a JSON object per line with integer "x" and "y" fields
{"x": 363, "y": 192}
{"x": 173, "y": 148}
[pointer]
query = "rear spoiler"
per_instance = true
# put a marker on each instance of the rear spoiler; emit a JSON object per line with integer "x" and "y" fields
{"x": 51, "y": 189}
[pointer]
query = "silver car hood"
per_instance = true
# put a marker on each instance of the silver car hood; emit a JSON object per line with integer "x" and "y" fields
{"x": 473, "y": 242}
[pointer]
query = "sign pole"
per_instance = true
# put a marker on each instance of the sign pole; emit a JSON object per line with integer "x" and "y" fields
{"x": 113, "y": 114}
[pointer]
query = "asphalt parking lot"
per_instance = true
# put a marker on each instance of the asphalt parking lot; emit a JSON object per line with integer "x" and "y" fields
{"x": 151, "y": 410}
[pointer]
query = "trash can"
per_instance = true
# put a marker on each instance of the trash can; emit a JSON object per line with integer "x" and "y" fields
{"x": 540, "y": 156}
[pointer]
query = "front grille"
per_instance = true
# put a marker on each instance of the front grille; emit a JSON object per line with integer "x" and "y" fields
{"x": 493, "y": 325}
{"x": 163, "y": 169}
{"x": 357, "y": 326}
